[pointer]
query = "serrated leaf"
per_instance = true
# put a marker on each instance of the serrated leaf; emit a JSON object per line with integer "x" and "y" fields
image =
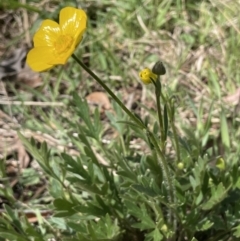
{"x": 145, "y": 221}
{"x": 155, "y": 235}
{"x": 86, "y": 186}
{"x": 126, "y": 170}
{"x": 105, "y": 229}
{"x": 236, "y": 232}
{"x": 40, "y": 156}
{"x": 204, "y": 225}
{"x": 75, "y": 166}
{"x": 218, "y": 194}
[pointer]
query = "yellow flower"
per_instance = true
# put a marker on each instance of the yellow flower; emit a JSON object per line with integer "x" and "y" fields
{"x": 54, "y": 43}
{"x": 147, "y": 76}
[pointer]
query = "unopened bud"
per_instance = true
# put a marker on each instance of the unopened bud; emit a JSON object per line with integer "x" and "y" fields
{"x": 210, "y": 182}
{"x": 164, "y": 228}
{"x": 180, "y": 166}
{"x": 159, "y": 68}
{"x": 220, "y": 164}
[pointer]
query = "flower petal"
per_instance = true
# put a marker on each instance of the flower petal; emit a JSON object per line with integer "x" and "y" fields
{"x": 62, "y": 58}
{"x": 147, "y": 76}
{"x": 47, "y": 34}
{"x": 73, "y": 22}
{"x": 39, "y": 58}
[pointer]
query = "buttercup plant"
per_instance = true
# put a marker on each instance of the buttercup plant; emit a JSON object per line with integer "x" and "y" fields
{"x": 154, "y": 196}
{"x": 58, "y": 41}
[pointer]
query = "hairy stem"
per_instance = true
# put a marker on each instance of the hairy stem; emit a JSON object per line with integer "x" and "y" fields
{"x": 127, "y": 111}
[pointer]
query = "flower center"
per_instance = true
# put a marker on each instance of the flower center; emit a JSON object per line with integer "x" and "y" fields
{"x": 63, "y": 43}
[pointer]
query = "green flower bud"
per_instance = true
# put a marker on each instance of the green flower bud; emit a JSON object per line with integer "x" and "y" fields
{"x": 220, "y": 164}
{"x": 159, "y": 68}
{"x": 180, "y": 166}
{"x": 210, "y": 182}
{"x": 164, "y": 228}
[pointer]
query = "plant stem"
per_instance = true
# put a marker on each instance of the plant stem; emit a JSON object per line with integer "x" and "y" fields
{"x": 167, "y": 177}
{"x": 171, "y": 113}
{"x": 162, "y": 161}
{"x": 176, "y": 141}
{"x": 172, "y": 121}
{"x": 164, "y": 165}
{"x": 127, "y": 111}
{"x": 159, "y": 111}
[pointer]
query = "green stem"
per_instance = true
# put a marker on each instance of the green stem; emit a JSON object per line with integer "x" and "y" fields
{"x": 166, "y": 174}
{"x": 172, "y": 121}
{"x": 159, "y": 111}
{"x": 162, "y": 160}
{"x": 127, "y": 111}
{"x": 165, "y": 168}
{"x": 176, "y": 141}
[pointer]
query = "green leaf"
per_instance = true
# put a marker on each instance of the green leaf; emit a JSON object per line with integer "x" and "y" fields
{"x": 105, "y": 229}
{"x": 236, "y": 232}
{"x": 146, "y": 190}
{"x": 215, "y": 81}
{"x": 82, "y": 184}
{"x": 90, "y": 209}
{"x": 42, "y": 155}
{"x": 224, "y": 131}
{"x": 14, "y": 217}
{"x": 89, "y": 152}
{"x": 163, "y": 8}
{"x": 194, "y": 239}
{"x": 78, "y": 227}
{"x": 199, "y": 198}
{"x": 126, "y": 171}
{"x": 130, "y": 124}
{"x": 218, "y": 194}
{"x": 12, "y": 236}
{"x": 75, "y": 166}
{"x": 62, "y": 204}
{"x": 193, "y": 182}
{"x": 155, "y": 235}
{"x": 204, "y": 224}
{"x": 145, "y": 221}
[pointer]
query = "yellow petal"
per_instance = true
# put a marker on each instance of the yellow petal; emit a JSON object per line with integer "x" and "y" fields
{"x": 147, "y": 76}
{"x": 73, "y": 22}
{"x": 47, "y": 34}
{"x": 39, "y": 58}
{"x": 62, "y": 58}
